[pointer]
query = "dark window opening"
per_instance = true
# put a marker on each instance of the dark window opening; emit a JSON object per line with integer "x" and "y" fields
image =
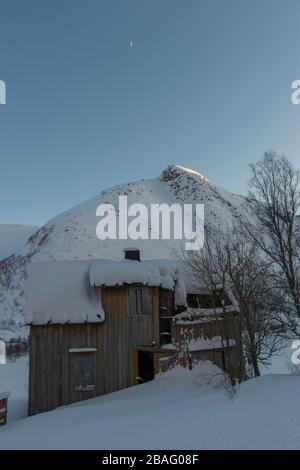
{"x": 207, "y": 300}
{"x": 224, "y": 361}
{"x": 166, "y": 312}
{"x": 138, "y": 300}
{"x": 145, "y": 366}
{"x": 165, "y": 330}
{"x": 133, "y": 255}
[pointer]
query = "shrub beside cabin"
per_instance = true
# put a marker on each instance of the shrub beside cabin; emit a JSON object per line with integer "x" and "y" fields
{"x": 101, "y": 326}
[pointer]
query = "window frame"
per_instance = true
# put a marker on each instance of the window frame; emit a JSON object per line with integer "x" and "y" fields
{"x": 140, "y": 304}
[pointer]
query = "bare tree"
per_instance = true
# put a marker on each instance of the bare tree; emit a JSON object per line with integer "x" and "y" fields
{"x": 231, "y": 265}
{"x": 275, "y": 196}
{"x": 250, "y": 278}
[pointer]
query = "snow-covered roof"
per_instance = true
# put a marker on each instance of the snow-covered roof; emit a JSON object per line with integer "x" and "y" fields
{"x": 155, "y": 272}
{"x": 60, "y": 292}
{"x": 198, "y": 315}
{"x": 64, "y": 291}
{"x": 151, "y": 272}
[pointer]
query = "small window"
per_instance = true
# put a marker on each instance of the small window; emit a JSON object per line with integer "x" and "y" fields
{"x": 133, "y": 255}
{"x": 138, "y": 300}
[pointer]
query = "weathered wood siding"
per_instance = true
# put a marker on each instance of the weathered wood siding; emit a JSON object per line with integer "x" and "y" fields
{"x": 123, "y": 332}
{"x": 50, "y": 366}
{"x": 51, "y": 380}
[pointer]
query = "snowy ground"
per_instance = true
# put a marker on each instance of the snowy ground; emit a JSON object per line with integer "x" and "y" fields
{"x": 14, "y": 378}
{"x": 281, "y": 362}
{"x": 173, "y": 412}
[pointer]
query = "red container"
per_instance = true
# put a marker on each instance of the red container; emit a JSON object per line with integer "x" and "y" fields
{"x": 3, "y": 407}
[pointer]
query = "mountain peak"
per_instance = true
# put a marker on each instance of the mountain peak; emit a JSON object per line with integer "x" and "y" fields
{"x": 174, "y": 171}
{"x": 72, "y": 234}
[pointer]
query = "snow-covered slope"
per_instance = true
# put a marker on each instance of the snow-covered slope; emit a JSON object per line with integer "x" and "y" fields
{"x": 13, "y": 238}
{"x": 72, "y": 234}
{"x": 263, "y": 415}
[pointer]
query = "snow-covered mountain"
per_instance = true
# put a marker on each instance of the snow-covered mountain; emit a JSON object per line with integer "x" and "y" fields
{"x": 72, "y": 234}
{"x": 13, "y": 238}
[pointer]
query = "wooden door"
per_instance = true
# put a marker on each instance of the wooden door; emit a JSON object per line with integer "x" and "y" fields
{"x": 82, "y": 375}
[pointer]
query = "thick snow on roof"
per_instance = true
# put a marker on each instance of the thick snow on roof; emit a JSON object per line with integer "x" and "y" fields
{"x": 60, "y": 292}
{"x": 166, "y": 273}
{"x": 152, "y": 272}
{"x": 63, "y": 291}
{"x": 195, "y": 314}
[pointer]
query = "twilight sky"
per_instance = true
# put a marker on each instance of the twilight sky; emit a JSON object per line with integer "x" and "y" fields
{"x": 206, "y": 84}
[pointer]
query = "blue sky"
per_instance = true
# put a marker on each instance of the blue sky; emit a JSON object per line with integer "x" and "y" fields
{"x": 207, "y": 84}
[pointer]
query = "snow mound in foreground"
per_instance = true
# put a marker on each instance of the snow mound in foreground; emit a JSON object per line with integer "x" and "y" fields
{"x": 171, "y": 412}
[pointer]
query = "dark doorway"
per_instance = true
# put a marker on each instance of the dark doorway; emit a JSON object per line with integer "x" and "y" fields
{"x": 145, "y": 366}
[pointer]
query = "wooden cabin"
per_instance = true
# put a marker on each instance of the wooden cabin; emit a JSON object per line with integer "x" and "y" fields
{"x": 101, "y": 326}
